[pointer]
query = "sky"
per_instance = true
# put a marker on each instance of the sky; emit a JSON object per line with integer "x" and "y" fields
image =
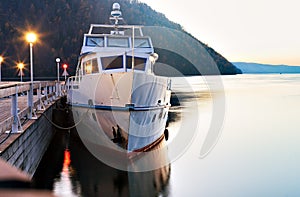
{"x": 260, "y": 31}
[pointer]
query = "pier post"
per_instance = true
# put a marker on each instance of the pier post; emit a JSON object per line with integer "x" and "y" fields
{"x": 14, "y": 112}
{"x": 30, "y": 100}
{"x": 57, "y": 89}
{"x": 46, "y": 102}
{"x": 39, "y": 93}
{"x": 50, "y": 92}
{"x": 31, "y": 114}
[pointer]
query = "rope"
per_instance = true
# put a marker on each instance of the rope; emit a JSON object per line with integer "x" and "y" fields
{"x": 66, "y": 128}
{"x": 8, "y": 134}
{"x": 51, "y": 122}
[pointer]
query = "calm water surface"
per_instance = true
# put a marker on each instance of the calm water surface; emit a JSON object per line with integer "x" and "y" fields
{"x": 245, "y": 142}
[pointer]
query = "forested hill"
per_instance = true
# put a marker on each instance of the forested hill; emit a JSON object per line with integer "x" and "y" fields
{"x": 62, "y": 23}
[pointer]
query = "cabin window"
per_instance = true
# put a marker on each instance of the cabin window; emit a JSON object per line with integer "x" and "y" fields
{"x": 90, "y": 66}
{"x": 139, "y": 63}
{"x": 113, "y": 62}
{"x": 117, "y": 42}
{"x": 95, "y": 41}
{"x": 141, "y": 43}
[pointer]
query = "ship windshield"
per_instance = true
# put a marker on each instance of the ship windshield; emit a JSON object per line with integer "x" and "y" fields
{"x": 141, "y": 43}
{"x": 112, "y": 62}
{"x": 139, "y": 63}
{"x": 116, "y": 62}
{"x": 118, "y": 42}
{"x": 95, "y": 41}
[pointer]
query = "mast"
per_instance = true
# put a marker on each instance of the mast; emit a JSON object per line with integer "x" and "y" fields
{"x": 116, "y": 16}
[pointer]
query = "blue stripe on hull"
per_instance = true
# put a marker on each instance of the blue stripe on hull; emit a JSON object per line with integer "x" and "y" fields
{"x": 116, "y": 108}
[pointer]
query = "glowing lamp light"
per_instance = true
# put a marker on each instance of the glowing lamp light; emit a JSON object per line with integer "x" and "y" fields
{"x": 1, "y": 59}
{"x": 31, "y": 37}
{"x": 20, "y": 66}
{"x": 65, "y": 66}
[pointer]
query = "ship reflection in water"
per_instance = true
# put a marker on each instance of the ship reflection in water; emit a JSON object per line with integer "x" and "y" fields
{"x": 70, "y": 169}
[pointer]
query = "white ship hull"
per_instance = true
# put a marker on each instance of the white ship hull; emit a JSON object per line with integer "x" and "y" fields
{"x": 135, "y": 103}
{"x": 137, "y": 131}
{"x": 138, "y": 91}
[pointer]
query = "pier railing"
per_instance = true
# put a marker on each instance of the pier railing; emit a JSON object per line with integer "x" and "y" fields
{"x": 38, "y": 95}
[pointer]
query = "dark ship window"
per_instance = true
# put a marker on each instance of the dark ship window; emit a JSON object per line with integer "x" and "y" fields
{"x": 118, "y": 42}
{"x": 95, "y": 41}
{"x": 113, "y": 62}
{"x": 139, "y": 63}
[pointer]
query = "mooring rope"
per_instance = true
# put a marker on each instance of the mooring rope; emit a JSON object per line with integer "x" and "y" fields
{"x": 66, "y": 128}
{"x": 8, "y": 134}
{"x": 51, "y": 122}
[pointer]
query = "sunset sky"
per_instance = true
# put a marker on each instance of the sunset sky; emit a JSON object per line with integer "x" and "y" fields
{"x": 261, "y": 31}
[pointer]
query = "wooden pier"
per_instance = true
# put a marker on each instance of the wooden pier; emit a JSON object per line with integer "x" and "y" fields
{"x": 25, "y": 132}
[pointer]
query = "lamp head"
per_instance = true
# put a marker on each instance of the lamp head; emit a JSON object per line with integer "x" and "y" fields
{"x": 65, "y": 66}
{"x": 20, "y": 66}
{"x": 31, "y": 37}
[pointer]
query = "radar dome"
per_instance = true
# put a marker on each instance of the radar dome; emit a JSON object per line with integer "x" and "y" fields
{"x": 116, "y": 6}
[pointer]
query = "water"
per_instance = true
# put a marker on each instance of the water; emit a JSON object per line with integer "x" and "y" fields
{"x": 244, "y": 141}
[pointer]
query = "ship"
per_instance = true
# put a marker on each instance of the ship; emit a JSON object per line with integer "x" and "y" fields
{"x": 115, "y": 95}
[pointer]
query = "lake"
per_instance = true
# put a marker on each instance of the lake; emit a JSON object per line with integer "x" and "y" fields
{"x": 230, "y": 136}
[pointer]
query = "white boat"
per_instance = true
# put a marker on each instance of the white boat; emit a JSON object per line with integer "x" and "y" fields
{"x": 115, "y": 73}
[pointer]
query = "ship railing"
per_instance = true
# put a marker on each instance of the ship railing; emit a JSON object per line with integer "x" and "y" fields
{"x": 169, "y": 84}
{"x": 73, "y": 83}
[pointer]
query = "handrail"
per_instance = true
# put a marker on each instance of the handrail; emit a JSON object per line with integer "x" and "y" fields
{"x": 44, "y": 93}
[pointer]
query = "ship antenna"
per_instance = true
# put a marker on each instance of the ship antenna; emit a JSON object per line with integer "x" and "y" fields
{"x": 116, "y": 14}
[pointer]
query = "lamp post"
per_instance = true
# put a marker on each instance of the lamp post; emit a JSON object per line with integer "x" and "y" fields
{"x": 20, "y": 67}
{"x": 57, "y": 62}
{"x": 1, "y": 60}
{"x": 31, "y": 38}
{"x": 65, "y": 66}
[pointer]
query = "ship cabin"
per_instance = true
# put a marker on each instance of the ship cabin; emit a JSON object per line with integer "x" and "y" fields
{"x": 122, "y": 49}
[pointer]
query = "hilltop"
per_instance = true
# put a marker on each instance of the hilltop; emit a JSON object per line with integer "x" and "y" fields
{"x": 62, "y": 23}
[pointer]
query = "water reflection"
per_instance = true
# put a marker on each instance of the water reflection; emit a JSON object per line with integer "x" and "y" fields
{"x": 63, "y": 185}
{"x": 98, "y": 179}
{"x": 81, "y": 174}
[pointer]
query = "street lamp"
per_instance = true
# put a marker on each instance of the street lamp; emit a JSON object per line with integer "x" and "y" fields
{"x": 1, "y": 60}
{"x": 31, "y": 38}
{"x": 20, "y": 67}
{"x": 57, "y": 62}
{"x": 65, "y": 66}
